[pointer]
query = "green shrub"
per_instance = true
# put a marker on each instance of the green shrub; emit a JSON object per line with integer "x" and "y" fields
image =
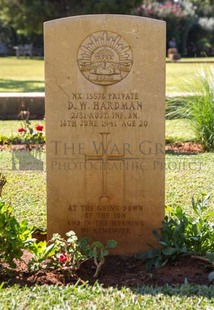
{"x": 199, "y": 108}
{"x": 14, "y": 236}
{"x": 62, "y": 254}
{"x": 66, "y": 254}
{"x": 175, "y": 107}
{"x": 183, "y": 234}
{"x": 96, "y": 250}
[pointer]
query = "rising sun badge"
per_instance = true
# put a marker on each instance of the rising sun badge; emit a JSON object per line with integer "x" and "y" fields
{"x": 105, "y": 58}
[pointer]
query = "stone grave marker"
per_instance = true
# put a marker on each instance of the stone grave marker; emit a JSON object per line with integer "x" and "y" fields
{"x": 105, "y": 118}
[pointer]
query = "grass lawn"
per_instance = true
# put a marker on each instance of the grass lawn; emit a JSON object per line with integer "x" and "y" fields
{"x": 177, "y": 74}
{"x": 27, "y": 75}
{"x": 179, "y": 130}
{"x": 97, "y": 298}
{"x": 21, "y": 75}
{"x": 193, "y": 59}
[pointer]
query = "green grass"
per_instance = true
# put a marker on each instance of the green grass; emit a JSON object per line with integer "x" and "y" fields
{"x": 179, "y": 130}
{"x": 194, "y": 59}
{"x": 26, "y": 184}
{"x": 21, "y": 75}
{"x": 186, "y": 176}
{"x": 98, "y": 298}
{"x": 177, "y": 74}
{"x": 27, "y": 75}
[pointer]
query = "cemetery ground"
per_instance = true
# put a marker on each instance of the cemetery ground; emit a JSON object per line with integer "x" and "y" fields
{"x": 124, "y": 282}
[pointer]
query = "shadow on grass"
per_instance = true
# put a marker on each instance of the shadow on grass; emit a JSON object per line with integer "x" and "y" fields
{"x": 183, "y": 290}
{"x": 21, "y": 86}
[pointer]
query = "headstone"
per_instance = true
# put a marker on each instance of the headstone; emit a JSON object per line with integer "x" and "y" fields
{"x": 105, "y": 116}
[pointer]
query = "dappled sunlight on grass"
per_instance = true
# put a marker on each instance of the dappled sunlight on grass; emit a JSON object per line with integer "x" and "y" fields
{"x": 187, "y": 175}
{"x": 177, "y": 74}
{"x": 21, "y": 86}
{"x": 180, "y": 130}
{"x": 21, "y": 75}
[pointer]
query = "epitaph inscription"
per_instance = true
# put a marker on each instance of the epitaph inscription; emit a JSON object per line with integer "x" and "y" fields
{"x": 105, "y": 118}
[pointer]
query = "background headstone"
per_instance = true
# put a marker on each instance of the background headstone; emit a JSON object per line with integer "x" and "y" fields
{"x": 105, "y": 116}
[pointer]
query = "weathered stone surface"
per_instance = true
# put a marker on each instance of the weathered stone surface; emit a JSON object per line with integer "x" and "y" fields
{"x": 105, "y": 95}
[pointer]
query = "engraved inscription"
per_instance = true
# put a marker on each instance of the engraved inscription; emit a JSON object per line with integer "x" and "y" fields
{"x": 104, "y": 109}
{"x": 106, "y": 218}
{"x": 105, "y": 58}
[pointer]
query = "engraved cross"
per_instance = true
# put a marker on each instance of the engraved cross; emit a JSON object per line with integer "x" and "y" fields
{"x": 104, "y": 158}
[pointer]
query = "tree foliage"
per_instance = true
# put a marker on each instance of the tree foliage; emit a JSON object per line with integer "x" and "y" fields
{"x": 204, "y": 8}
{"x": 179, "y": 18}
{"x": 27, "y": 17}
{"x": 191, "y": 22}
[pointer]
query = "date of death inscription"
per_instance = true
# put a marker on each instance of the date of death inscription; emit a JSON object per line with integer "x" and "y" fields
{"x": 104, "y": 110}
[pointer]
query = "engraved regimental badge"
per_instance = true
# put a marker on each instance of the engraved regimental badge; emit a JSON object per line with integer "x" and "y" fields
{"x": 105, "y": 58}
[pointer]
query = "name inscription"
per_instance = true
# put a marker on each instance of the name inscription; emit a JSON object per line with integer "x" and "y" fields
{"x": 104, "y": 110}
